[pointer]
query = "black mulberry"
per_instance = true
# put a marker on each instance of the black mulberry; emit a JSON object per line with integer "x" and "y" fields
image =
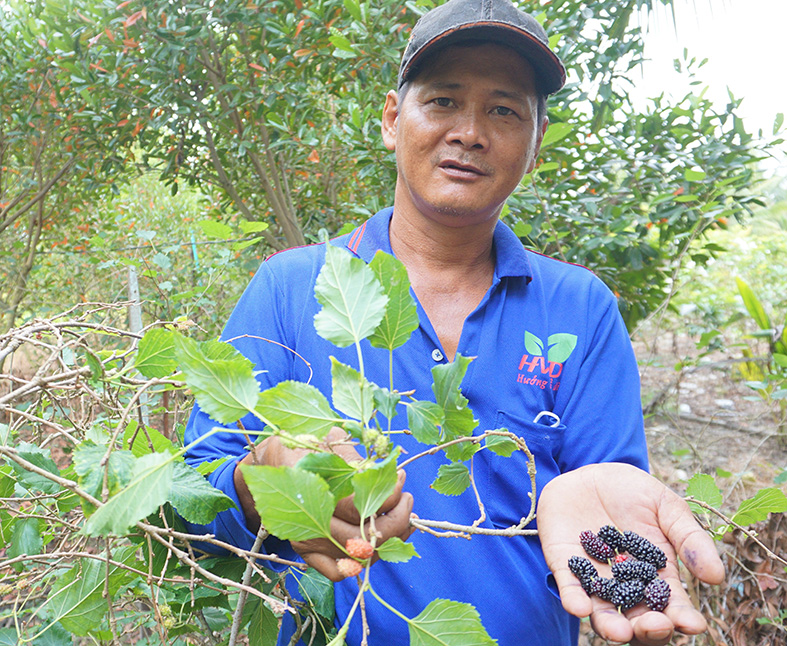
{"x": 604, "y": 588}
{"x": 613, "y": 537}
{"x": 657, "y": 594}
{"x": 628, "y": 594}
{"x": 595, "y": 547}
{"x": 583, "y": 569}
{"x": 642, "y": 549}
{"x": 633, "y": 570}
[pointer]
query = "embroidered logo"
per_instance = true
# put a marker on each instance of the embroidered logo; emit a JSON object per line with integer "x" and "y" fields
{"x": 541, "y": 368}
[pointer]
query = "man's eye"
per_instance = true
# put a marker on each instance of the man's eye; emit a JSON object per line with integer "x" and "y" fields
{"x": 504, "y": 111}
{"x": 442, "y": 101}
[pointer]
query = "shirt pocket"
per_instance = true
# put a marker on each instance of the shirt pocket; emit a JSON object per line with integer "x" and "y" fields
{"x": 509, "y": 486}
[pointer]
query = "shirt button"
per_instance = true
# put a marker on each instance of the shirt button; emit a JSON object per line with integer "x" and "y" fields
{"x": 437, "y": 355}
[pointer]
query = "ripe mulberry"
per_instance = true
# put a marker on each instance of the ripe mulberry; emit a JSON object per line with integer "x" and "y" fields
{"x": 633, "y": 570}
{"x": 604, "y": 588}
{"x": 657, "y": 594}
{"x": 595, "y": 547}
{"x": 642, "y": 549}
{"x": 627, "y": 594}
{"x": 583, "y": 569}
{"x": 613, "y": 537}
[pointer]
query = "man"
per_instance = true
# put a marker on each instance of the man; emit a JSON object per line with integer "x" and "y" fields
{"x": 466, "y": 124}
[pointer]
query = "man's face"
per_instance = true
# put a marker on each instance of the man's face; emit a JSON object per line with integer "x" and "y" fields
{"x": 464, "y": 134}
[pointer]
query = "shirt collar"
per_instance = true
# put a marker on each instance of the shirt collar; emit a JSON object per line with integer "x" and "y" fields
{"x": 510, "y": 256}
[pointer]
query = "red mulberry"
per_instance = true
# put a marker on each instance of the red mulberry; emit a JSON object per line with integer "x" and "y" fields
{"x": 595, "y": 547}
{"x": 657, "y": 594}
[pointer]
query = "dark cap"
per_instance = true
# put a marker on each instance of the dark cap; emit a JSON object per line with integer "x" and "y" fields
{"x": 498, "y": 21}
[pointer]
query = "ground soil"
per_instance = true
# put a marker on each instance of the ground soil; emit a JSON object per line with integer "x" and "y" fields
{"x": 704, "y": 419}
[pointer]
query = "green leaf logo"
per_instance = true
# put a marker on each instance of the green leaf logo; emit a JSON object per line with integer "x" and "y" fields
{"x": 561, "y": 345}
{"x": 533, "y": 344}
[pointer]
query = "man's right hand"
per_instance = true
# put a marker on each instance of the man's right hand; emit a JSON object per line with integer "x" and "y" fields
{"x": 393, "y": 517}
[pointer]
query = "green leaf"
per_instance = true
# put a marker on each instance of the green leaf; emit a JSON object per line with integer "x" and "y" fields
{"x": 293, "y": 504}
{"x": 452, "y": 479}
{"x": 220, "y": 377}
{"x": 425, "y": 419}
{"x": 753, "y": 305}
{"x": 40, "y": 458}
{"x": 500, "y": 444}
{"x": 374, "y": 485}
{"x": 87, "y": 464}
{"x": 354, "y": 8}
{"x": 298, "y": 408}
{"x": 331, "y": 468}
{"x": 533, "y": 344}
{"x": 385, "y": 401}
{"x": 77, "y": 597}
{"x": 194, "y": 498}
{"x": 780, "y": 359}
{"x": 352, "y": 393}
{"x": 352, "y": 299}
{"x": 693, "y": 175}
{"x": 25, "y": 538}
{"x": 459, "y": 420}
{"x": 703, "y": 487}
{"x": 448, "y": 623}
{"x": 55, "y": 635}
{"x": 401, "y": 314}
{"x": 555, "y": 133}
{"x": 144, "y": 438}
{"x": 149, "y": 486}
{"x": 263, "y": 625}
{"x": 560, "y": 345}
{"x": 395, "y": 550}
{"x": 318, "y": 591}
{"x": 766, "y": 501}
{"x": 156, "y": 354}
{"x": 214, "y": 229}
{"x": 9, "y": 637}
{"x": 209, "y": 466}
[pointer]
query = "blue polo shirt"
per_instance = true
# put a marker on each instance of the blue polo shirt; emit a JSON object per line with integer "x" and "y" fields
{"x": 547, "y": 336}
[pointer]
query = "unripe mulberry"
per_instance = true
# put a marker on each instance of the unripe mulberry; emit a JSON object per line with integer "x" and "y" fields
{"x": 595, "y": 547}
{"x": 628, "y": 594}
{"x": 359, "y": 548}
{"x": 349, "y": 567}
{"x": 613, "y": 537}
{"x": 657, "y": 594}
{"x": 633, "y": 570}
{"x": 583, "y": 569}
{"x": 642, "y": 549}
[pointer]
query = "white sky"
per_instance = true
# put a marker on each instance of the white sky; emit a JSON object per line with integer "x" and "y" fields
{"x": 745, "y": 42}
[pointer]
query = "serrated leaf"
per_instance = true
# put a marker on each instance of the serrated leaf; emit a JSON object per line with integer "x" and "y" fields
{"x": 331, "y": 468}
{"x": 144, "y": 438}
{"x": 293, "y": 504}
{"x": 194, "y": 498}
{"x": 148, "y": 487}
{"x": 703, "y": 487}
{"x": 753, "y": 305}
{"x": 385, "y": 401}
{"x": 374, "y": 485}
{"x": 352, "y": 299}
{"x": 459, "y": 420}
{"x": 425, "y": 419}
{"x": 25, "y": 538}
{"x": 560, "y": 345}
{"x": 298, "y": 408}
{"x": 401, "y": 314}
{"x": 77, "y": 597}
{"x": 318, "y": 591}
{"x": 263, "y": 626}
{"x": 500, "y": 444}
{"x": 448, "y": 623}
{"x": 221, "y": 379}
{"x": 766, "y": 501}
{"x": 395, "y": 550}
{"x": 352, "y": 393}
{"x": 156, "y": 354}
{"x": 40, "y": 458}
{"x": 87, "y": 464}
{"x": 452, "y": 479}
{"x": 533, "y": 345}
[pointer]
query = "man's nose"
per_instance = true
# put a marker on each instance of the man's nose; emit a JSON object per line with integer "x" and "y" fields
{"x": 469, "y": 130}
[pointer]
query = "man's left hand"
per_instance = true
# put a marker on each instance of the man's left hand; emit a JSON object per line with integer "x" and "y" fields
{"x": 628, "y": 498}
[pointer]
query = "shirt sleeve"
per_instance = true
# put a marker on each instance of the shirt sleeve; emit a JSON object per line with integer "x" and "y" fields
{"x": 603, "y": 412}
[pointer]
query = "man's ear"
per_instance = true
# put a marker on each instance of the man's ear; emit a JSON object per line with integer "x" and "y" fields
{"x": 541, "y": 133}
{"x": 390, "y": 119}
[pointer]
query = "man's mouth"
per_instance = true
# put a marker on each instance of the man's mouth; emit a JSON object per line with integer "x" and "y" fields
{"x": 460, "y": 168}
